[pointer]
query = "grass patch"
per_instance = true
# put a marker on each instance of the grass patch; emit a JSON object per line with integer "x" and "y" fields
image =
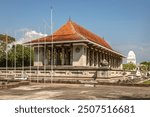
{"x": 146, "y": 82}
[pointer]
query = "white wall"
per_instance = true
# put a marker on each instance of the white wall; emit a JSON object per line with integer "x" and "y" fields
{"x": 79, "y": 55}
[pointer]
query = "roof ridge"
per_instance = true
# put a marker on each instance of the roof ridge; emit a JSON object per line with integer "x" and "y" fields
{"x": 74, "y": 30}
{"x": 89, "y": 31}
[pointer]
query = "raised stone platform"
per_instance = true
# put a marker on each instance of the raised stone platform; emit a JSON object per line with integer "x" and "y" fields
{"x": 60, "y": 73}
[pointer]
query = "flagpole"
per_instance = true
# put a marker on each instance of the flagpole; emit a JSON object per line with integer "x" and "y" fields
{"x": 45, "y": 54}
{"x": 38, "y": 61}
{"x": 30, "y": 60}
{"x": 23, "y": 58}
{"x": 52, "y": 57}
{"x": 6, "y": 54}
{"x": 15, "y": 58}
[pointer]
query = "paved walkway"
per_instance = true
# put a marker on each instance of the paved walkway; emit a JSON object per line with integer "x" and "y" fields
{"x": 75, "y": 91}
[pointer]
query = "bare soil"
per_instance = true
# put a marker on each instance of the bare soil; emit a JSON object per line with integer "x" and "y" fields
{"x": 74, "y": 92}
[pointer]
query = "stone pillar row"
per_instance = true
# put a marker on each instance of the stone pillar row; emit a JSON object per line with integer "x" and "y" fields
{"x": 55, "y": 56}
{"x": 113, "y": 61}
{"x": 91, "y": 56}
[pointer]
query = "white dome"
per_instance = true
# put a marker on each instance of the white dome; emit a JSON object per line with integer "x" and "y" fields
{"x": 131, "y": 57}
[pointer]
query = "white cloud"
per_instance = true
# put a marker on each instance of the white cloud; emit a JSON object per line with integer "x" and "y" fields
{"x": 30, "y": 35}
{"x": 34, "y": 35}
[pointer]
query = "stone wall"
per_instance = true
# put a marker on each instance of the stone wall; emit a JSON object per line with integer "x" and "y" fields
{"x": 79, "y": 55}
{"x": 61, "y": 73}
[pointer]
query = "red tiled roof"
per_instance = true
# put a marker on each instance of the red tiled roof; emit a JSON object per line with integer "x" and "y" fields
{"x": 72, "y": 31}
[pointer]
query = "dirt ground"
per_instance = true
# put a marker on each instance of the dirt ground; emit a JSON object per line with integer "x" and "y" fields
{"x": 74, "y": 92}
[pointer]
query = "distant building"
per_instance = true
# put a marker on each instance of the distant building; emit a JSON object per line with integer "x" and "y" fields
{"x": 131, "y": 57}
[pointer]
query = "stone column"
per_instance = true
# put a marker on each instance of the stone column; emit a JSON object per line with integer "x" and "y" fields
{"x": 88, "y": 57}
{"x": 120, "y": 63}
{"x": 66, "y": 56}
{"x": 71, "y": 55}
{"x": 96, "y": 58}
{"x": 52, "y": 56}
{"x": 112, "y": 61}
{"x": 63, "y": 56}
{"x": 104, "y": 56}
{"x": 35, "y": 56}
{"x": 41, "y": 56}
{"x": 55, "y": 57}
{"x": 49, "y": 56}
{"x": 92, "y": 57}
{"x": 100, "y": 55}
{"x": 108, "y": 59}
{"x": 59, "y": 56}
{"x": 115, "y": 62}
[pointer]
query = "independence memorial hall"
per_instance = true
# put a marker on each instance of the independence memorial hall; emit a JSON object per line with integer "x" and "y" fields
{"x": 76, "y": 53}
{"x": 70, "y": 54}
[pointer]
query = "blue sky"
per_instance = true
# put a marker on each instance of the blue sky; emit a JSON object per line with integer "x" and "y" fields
{"x": 125, "y": 24}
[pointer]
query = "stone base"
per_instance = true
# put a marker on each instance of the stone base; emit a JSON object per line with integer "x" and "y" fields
{"x": 38, "y": 64}
{"x": 109, "y": 73}
{"x": 64, "y": 73}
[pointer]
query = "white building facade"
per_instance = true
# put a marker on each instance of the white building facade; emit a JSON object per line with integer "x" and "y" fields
{"x": 131, "y": 58}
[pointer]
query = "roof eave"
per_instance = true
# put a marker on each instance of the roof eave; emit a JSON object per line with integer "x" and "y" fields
{"x": 107, "y": 49}
{"x": 73, "y": 41}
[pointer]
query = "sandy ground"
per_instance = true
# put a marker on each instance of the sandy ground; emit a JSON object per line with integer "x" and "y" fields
{"x": 74, "y": 91}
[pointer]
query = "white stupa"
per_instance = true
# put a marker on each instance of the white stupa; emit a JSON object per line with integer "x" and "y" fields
{"x": 131, "y": 57}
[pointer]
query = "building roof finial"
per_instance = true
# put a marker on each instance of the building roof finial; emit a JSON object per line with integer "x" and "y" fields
{"x": 69, "y": 18}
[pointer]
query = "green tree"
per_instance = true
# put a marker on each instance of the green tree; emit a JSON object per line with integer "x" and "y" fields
{"x": 129, "y": 66}
{"x": 2, "y": 58}
{"x": 5, "y": 41}
{"x": 145, "y": 65}
{"x": 6, "y": 38}
{"x": 22, "y": 53}
{"x": 2, "y": 47}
